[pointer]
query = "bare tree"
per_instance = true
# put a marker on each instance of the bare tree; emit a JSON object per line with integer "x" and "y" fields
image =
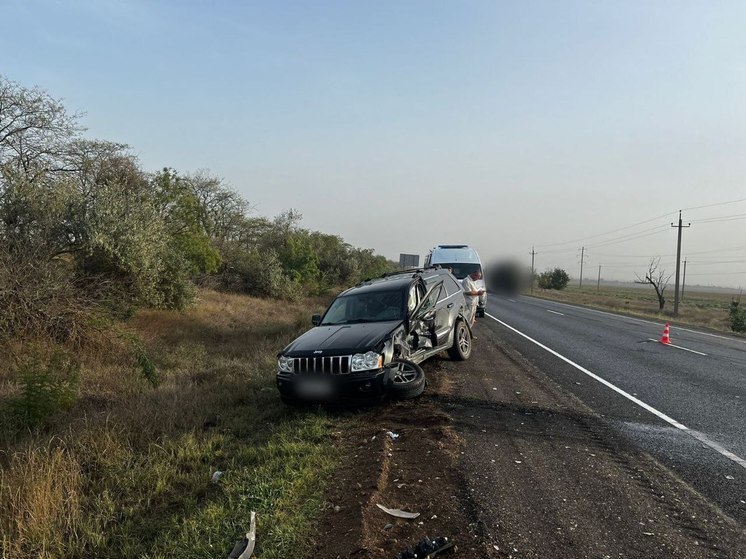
{"x": 657, "y": 278}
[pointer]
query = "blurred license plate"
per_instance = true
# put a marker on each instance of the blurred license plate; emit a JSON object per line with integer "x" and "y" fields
{"x": 315, "y": 388}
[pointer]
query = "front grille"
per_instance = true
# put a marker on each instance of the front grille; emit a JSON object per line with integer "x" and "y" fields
{"x": 332, "y": 365}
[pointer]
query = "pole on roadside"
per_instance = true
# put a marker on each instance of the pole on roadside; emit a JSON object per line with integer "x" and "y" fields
{"x": 678, "y": 264}
{"x": 582, "y": 260}
{"x": 683, "y": 281}
{"x": 533, "y": 254}
{"x": 598, "y": 285}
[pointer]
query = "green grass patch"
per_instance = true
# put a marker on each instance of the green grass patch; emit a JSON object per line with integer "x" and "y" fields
{"x": 126, "y": 471}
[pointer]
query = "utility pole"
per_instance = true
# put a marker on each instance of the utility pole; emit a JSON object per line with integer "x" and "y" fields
{"x": 533, "y": 254}
{"x": 683, "y": 281}
{"x": 582, "y": 259}
{"x": 678, "y": 264}
{"x": 598, "y": 285}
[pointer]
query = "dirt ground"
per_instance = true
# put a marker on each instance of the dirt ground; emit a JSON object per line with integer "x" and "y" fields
{"x": 506, "y": 464}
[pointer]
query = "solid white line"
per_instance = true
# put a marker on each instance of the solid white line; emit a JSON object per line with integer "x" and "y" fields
{"x": 737, "y": 459}
{"x": 511, "y": 300}
{"x": 636, "y": 319}
{"x": 678, "y": 347}
{"x": 712, "y": 444}
{"x": 555, "y": 312}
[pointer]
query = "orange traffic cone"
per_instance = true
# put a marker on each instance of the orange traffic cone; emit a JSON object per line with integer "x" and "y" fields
{"x": 666, "y": 337}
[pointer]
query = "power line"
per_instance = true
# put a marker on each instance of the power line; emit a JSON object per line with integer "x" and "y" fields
{"x": 710, "y": 263}
{"x": 713, "y": 205}
{"x": 613, "y": 241}
{"x": 609, "y": 232}
{"x": 639, "y": 235}
{"x": 718, "y": 250}
{"x": 735, "y": 217}
{"x": 719, "y": 273}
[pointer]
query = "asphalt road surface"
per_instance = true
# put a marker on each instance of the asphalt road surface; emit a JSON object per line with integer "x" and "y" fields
{"x": 684, "y": 405}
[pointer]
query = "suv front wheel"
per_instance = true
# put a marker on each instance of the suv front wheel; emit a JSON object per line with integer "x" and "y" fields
{"x": 407, "y": 380}
{"x": 461, "y": 348}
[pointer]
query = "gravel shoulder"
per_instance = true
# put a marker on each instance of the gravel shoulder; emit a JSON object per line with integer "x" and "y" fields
{"x": 506, "y": 463}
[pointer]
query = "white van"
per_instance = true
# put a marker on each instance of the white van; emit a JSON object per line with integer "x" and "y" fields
{"x": 462, "y": 260}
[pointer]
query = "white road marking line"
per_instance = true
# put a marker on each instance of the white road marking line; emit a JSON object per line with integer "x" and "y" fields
{"x": 555, "y": 312}
{"x": 699, "y": 436}
{"x": 637, "y": 319}
{"x": 511, "y": 300}
{"x": 678, "y": 347}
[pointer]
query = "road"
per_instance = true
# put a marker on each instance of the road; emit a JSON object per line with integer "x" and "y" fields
{"x": 597, "y": 444}
{"x": 683, "y": 405}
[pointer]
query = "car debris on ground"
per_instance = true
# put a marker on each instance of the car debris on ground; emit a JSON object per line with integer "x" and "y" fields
{"x": 398, "y": 512}
{"x": 426, "y": 548}
{"x": 245, "y": 547}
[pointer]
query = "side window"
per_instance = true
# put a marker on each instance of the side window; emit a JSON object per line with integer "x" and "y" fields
{"x": 451, "y": 286}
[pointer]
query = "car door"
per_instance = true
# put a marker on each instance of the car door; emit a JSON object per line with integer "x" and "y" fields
{"x": 428, "y": 318}
{"x": 452, "y": 303}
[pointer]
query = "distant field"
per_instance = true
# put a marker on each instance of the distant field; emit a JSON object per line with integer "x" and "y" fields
{"x": 698, "y": 308}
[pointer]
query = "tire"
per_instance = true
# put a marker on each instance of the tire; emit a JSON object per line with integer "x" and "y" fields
{"x": 461, "y": 348}
{"x": 407, "y": 380}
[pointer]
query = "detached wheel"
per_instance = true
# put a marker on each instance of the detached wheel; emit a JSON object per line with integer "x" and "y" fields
{"x": 407, "y": 380}
{"x": 461, "y": 348}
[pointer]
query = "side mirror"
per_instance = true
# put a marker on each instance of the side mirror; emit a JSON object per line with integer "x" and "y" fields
{"x": 316, "y": 319}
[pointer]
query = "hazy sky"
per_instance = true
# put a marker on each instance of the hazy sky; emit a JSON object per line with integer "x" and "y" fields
{"x": 400, "y": 125}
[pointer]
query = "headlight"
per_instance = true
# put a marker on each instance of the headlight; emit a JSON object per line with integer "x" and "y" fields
{"x": 285, "y": 364}
{"x": 366, "y": 361}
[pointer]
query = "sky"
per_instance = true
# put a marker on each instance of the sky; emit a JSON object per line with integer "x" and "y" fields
{"x": 400, "y": 125}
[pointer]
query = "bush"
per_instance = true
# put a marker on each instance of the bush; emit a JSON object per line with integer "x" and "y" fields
{"x": 47, "y": 386}
{"x": 553, "y": 279}
{"x": 737, "y": 317}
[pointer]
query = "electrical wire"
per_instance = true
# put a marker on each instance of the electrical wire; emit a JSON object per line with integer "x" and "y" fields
{"x": 608, "y": 232}
{"x": 713, "y": 205}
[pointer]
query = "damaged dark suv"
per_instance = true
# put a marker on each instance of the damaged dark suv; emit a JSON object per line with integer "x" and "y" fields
{"x": 371, "y": 339}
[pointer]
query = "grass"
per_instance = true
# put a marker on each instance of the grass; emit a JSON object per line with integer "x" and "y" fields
{"x": 126, "y": 471}
{"x": 698, "y": 308}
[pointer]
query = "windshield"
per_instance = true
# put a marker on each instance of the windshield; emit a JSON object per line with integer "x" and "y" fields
{"x": 460, "y": 269}
{"x": 375, "y": 306}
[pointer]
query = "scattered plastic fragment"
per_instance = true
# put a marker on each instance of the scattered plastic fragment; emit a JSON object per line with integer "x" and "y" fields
{"x": 244, "y": 548}
{"x": 388, "y": 526}
{"x": 729, "y": 477}
{"x": 393, "y": 436}
{"x": 518, "y": 462}
{"x": 398, "y": 512}
{"x": 426, "y": 548}
{"x": 648, "y": 534}
{"x": 216, "y": 476}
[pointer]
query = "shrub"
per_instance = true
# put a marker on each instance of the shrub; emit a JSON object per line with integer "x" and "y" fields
{"x": 553, "y": 279}
{"x": 737, "y": 317}
{"x": 47, "y": 386}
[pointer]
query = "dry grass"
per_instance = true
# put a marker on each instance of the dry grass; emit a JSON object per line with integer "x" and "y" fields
{"x": 126, "y": 471}
{"x": 702, "y": 309}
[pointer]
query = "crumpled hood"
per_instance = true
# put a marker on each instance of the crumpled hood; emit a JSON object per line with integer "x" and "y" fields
{"x": 342, "y": 339}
